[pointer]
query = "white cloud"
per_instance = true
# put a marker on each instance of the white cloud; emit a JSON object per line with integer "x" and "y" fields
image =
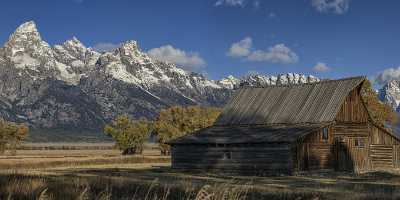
{"x": 241, "y": 48}
{"x": 279, "y": 53}
{"x": 105, "y": 46}
{"x": 388, "y": 75}
{"x": 331, "y": 6}
{"x": 321, "y": 67}
{"x": 233, "y": 3}
{"x": 190, "y": 61}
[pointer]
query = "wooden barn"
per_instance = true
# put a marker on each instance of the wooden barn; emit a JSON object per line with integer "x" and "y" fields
{"x": 292, "y": 128}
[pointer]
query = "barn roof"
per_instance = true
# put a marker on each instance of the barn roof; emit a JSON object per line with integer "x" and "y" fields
{"x": 248, "y": 134}
{"x": 288, "y": 104}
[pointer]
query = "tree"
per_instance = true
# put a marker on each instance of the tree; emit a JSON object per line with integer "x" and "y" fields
{"x": 178, "y": 121}
{"x": 11, "y": 135}
{"x": 380, "y": 113}
{"x": 129, "y": 135}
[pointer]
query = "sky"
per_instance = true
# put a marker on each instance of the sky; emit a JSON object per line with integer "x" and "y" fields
{"x": 325, "y": 38}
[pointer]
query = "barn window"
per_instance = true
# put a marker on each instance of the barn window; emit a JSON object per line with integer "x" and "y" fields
{"x": 325, "y": 134}
{"x": 227, "y": 156}
{"x": 358, "y": 142}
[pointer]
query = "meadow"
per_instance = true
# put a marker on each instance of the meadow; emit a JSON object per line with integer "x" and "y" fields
{"x": 87, "y": 171}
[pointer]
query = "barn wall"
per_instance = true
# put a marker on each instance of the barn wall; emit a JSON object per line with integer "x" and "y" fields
{"x": 249, "y": 158}
{"x": 339, "y": 151}
{"x": 350, "y": 156}
{"x": 313, "y": 152}
{"x": 380, "y": 136}
{"x": 351, "y": 128}
{"x": 380, "y": 149}
{"x": 353, "y": 109}
{"x": 384, "y": 150}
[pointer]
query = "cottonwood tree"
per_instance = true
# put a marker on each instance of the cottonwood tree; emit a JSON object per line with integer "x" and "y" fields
{"x": 381, "y": 113}
{"x": 178, "y": 121}
{"x": 11, "y": 135}
{"x": 128, "y": 134}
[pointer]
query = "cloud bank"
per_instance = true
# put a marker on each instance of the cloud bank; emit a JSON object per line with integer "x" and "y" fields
{"x": 190, "y": 61}
{"x": 278, "y": 53}
{"x": 233, "y": 3}
{"x": 388, "y": 75}
{"x": 331, "y": 6}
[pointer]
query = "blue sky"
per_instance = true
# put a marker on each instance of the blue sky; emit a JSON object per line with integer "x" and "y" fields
{"x": 326, "y": 38}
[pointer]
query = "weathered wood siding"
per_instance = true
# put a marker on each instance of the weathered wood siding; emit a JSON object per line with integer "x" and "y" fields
{"x": 350, "y": 134}
{"x": 352, "y": 126}
{"x": 339, "y": 151}
{"x": 351, "y": 157}
{"x": 384, "y": 149}
{"x": 314, "y": 152}
{"x": 247, "y": 158}
{"x": 380, "y": 136}
{"x": 396, "y": 152}
{"x": 353, "y": 109}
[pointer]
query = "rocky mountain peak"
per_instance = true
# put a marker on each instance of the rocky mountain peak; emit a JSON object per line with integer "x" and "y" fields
{"x": 26, "y": 49}
{"x": 390, "y": 94}
{"x": 132, "y": 52}
{"x": 26, "y": 34}
{"x": 27, "y": 27}
{"x": 74, "y": 43}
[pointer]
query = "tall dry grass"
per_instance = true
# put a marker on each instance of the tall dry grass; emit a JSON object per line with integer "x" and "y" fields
{"x": 52, "y": 187}
{"x": 16, "y": 186}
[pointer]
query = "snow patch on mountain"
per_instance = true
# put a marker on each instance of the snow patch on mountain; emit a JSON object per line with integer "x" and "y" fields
{"x": 390, "y": 94}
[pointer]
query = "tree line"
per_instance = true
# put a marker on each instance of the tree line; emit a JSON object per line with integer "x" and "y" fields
{"x": 173, "y": 122}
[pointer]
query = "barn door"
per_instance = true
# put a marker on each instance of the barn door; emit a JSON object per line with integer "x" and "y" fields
{"x": 343, "y": 156}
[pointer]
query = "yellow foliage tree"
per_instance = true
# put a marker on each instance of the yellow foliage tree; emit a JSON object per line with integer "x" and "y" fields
{"x": 11, "y": 135}
{"x": 380, "y": 113}
{"x": 178, "y": 121}
{"x": 129, "y": 135}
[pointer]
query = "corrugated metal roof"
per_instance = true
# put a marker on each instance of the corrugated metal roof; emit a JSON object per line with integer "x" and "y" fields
{"x": 304, "y": 103}
{"x": 248, "y": 134}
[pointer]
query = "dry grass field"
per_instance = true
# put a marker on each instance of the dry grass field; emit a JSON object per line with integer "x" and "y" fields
{"x": 100, "y": 172}
{"x": 40, "y": 156}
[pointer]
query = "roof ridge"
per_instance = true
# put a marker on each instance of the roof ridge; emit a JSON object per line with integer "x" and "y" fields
{"x": 303, "y": 84}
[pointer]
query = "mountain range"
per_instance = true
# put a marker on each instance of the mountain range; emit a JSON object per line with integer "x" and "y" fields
{"x": 70, "y": 86}
{"x": 73, "y": 87}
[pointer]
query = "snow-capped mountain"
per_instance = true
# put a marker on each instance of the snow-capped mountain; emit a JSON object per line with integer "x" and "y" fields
{"x": 74, "y": 54}
{"x": 72, "y": 86}
{"x": 390, "y": 94}
{"x": 258, "y": 80}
